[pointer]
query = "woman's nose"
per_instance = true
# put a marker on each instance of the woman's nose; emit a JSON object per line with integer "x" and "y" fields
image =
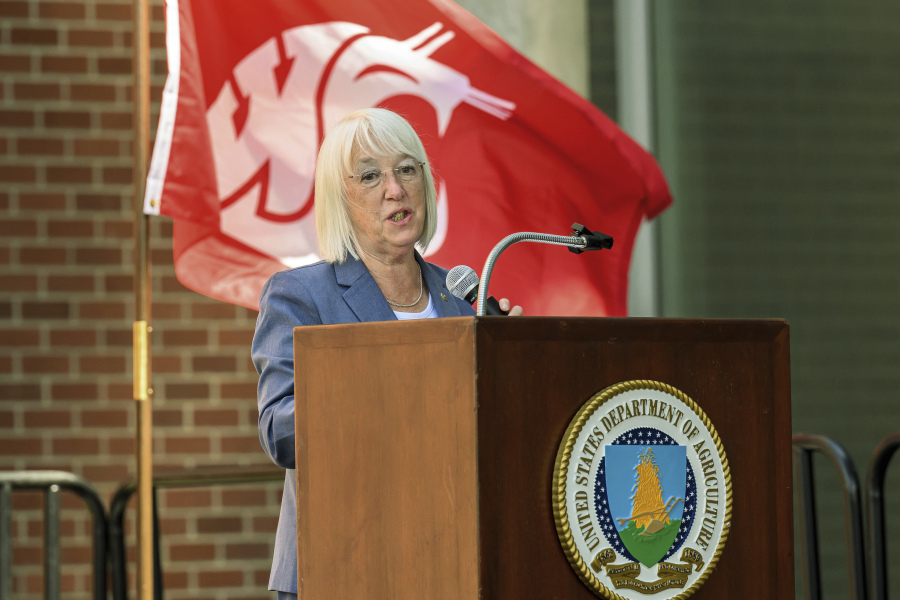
{"x": 392, "y": 187}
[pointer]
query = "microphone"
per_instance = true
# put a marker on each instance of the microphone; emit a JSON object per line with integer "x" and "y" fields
{"x": 463, "y": 283}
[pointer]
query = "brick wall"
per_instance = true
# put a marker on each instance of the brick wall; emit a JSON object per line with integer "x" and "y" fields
{"x": 66, "y": 309}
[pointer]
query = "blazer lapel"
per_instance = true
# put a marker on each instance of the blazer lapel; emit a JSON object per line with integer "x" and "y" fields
{"x": 363, "y": 295}
{"x": 443, "y": 301}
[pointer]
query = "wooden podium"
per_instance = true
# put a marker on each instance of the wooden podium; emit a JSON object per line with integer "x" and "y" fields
{"x": 425, "y": 450}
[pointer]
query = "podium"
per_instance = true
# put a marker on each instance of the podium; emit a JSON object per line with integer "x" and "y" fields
{"x": 425, "y": 450}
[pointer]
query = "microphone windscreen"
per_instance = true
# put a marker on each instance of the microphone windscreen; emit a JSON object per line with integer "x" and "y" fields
{"x": 461, "y": 281}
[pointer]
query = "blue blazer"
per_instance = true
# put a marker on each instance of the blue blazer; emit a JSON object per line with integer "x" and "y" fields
{"x": 317, "y": 294}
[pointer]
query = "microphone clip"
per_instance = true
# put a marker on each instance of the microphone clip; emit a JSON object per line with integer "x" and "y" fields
{"x": 594, "y": 240}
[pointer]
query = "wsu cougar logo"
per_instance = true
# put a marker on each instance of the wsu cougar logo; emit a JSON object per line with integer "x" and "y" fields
{"x": 269, "y": 119}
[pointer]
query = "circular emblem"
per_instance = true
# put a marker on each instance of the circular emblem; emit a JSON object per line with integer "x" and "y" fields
{"x": 642, "y": 493}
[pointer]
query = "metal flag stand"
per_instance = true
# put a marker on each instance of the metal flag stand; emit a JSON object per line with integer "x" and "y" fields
{"x": 142, "y": 391}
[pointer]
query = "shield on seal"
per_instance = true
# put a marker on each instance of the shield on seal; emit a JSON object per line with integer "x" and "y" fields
{"x": 646, "y": 488}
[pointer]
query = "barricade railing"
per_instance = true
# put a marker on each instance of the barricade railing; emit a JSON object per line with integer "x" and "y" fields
{"x": 162, "y": 479}
{"x": 52, "y": 483}
{"x": 804, "y": 446}
{"x": 874, "y": 493}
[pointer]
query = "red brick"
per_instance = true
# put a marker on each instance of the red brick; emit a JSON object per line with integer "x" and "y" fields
{"x": 101, "y": 364}
{"x": 113, "y": 120}
{"x": 118, "y": 283}
{"x": 186, "y": 337}
{"x": 70, "y": 174}
{"x": 18, "y": 227}
{"x": 238, "y": 390}
{"x": 214, "y": 364}
{"x": 48, "y": 418}
{"x": 6, "y": 364}
{"x": 187, "y": 391}
{"x": 255, "y": 497}
{"x": 170, "y": 284}
{"x": 93, "y": 38}
{"x": 166, "y": 310}
{"x": 209, "y": 310}
{"x": 191, "y": 445}
{"x": 67, "y": 119}
{"x": 45, "y": 364}
{"x": 42, "y": 256}
{"x": 70, "y": 283}
{"x": 219, "y": 579}
{"x": 104, "y": 418}
{"x": 102, "y": 310}
{"x": 120, "y": 391}
{"x": 114, "y": 66}
{"x": 36, "y": 91}
{"x": 21, "y": 447}
{"x": 98, "y": 256}
{"x": 74, "y": 391}
{"x": 61, "y": 10}
{"x": 19, "y": 391}
{"x": 43, "y": 37}
{"x": 172, "y": 526}
{"x": 14, "y": 63}
{"x": 17, "y": 173}
{"x": 114, "y": 12}
{"x": 100, "y": 148}
{"x": 64, "y": 64}
{"x": 118, "y": 229}
{"x": 70, "y": 228}
{"x": 219, "y": 525}
{"x": 238, "y": 445}
{"x": 73, "y": 337}
{"x": 188, "y": 498}
{"x": 161, "y": 256}
{"x": 105, "y": 202}
{"x": 18, "y": 283}
{"x": 180, "y": 552}
{"x": 13, "y": 9}
{"x": 166, "y": 364}
{"x": 39, "y": 147}
{"x": 117, "y": 175}
{"x": 42, "y": 202}
{"x": 121, "y": 337}
{"x": 236, "y": 337}
{"x": 216, "y": 418}
{"x": 45, "y": 310}
{"x": 76, "y": 446}
{"x": 105, "y": 473}
{"x": 92, "y": 92}
{"x": 19, "y": 337}
{"x": 265, "y": 524}
{"x": 167, "y": 418}
{"x": 121, "y": 446}
{"x": 16, "y": 118}
{"x": 246, "y": 551}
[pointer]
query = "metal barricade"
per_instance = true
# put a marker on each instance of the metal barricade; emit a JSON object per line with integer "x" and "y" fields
{"x": 876, "y": 523}
{"x": 171, "y": 478}
{"x": 52, "y": 483}
{"x": 804, "y": 447}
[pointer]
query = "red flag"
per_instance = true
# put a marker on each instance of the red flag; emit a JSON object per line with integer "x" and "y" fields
{"x": 254, "y": 86}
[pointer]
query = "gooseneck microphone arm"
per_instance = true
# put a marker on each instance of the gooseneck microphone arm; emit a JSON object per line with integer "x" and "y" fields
{"x": 580, "y": 241}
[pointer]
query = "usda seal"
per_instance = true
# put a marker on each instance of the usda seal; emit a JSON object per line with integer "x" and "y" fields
{"x": 642, "y": 493}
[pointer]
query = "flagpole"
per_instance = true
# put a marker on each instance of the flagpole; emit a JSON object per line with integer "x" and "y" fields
{"x": 142, "y": 289}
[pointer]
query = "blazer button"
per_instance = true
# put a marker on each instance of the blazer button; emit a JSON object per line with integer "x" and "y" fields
{"x": 443, "y": 296}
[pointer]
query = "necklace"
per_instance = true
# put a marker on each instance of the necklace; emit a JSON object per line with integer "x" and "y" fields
{"x": 421, "y": 288}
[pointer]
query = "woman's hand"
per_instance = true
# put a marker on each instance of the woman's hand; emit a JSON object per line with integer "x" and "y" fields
{"x": 516, "y": 311}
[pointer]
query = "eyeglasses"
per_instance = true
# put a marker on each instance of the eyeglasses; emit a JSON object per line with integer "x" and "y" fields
{"x": 405, "y": 172}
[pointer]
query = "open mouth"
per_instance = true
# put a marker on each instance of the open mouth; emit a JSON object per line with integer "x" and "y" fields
{"x": 399, "y": 216}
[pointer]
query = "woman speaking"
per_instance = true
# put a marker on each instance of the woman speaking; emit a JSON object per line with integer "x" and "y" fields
{"x": 374, "y": 200}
